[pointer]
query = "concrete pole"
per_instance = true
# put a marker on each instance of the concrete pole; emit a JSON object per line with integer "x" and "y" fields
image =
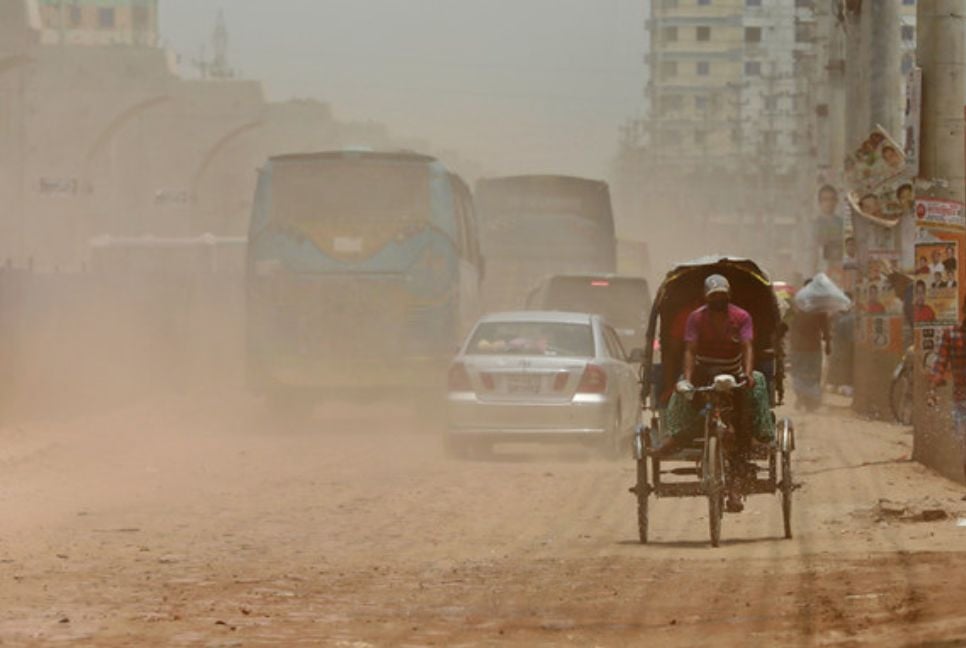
{"x": 885, "y": 74}
{"x": 941, "y": 53}
{"x": 857, "y": 58}
{"x": 873, "y": 82}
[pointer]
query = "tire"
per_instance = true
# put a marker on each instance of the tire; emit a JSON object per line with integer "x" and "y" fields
{"x": 788, "y": 487}
{"x": 612, "y": 446}
{"x": 900, "y": 398}
{"x": 643, "y": 491}
{"x": 714, "y": 481}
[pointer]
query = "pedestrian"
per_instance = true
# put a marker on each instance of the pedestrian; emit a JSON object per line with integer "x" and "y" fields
{"x": 807, "y": 333}
{"x": 952, "y": 359}
{"x": 840, "y": 362}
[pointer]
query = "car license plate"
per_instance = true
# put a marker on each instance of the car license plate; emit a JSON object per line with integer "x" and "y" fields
{"x": 523, "y": 384}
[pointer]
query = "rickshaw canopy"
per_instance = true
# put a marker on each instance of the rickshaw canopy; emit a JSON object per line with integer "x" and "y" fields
{"x": 683, "y": 291}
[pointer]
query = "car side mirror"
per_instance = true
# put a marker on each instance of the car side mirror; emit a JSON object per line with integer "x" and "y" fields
{"x": 637, "y": 356}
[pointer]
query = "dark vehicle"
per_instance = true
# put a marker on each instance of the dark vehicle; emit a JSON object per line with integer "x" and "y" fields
{"x": 625, "y": 302}
{"x": 535, "y": 226}
{"x": 677, "y": 297}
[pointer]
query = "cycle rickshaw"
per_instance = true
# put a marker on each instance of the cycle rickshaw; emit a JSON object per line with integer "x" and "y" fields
{"x": 768, "y": 466}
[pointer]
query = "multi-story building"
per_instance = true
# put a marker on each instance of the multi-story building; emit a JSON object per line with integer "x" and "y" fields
{"x": 724, "y": 87}
{"x": 99, "y": 22}
{"x": 696, "y": 67}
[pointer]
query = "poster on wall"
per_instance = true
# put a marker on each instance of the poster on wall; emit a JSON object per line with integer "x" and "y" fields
{"x": 939, "y": 272}
{"x": 936, "y": 295}
{"x": 878, "y": 160}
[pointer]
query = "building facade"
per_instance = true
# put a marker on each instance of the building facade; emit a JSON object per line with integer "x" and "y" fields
{"x": 724, "y": 87}
{"x": 99, "y": 22}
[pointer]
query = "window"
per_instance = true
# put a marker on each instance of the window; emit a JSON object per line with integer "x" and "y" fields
{"x": 669, "y": 34}
{"x": 669, "y": 69}
{"x": 752, "y": 68}
{"x": 703, "y": 33}
{"x": 908, "y": 33}
{"x": 141, "y": 18}
{"x": 704, "y": 3}
{"x": 703, "y": 68}
{"x": 771, "y": 140}
{"x": 907, "y": 62}
{"x": 614, "y": 347}
{"x": 671, "y": 103}
{"x": 804, "y": 33}
{"x": 752, "y": 34}
{"x": 804, "y": 4}
{"x": 669, "y": 4}
{"x": 700, "y": 137}
{"x": 76, "y": 16}
{"x": 701, "y": 103}
{"x": 105, "y": 18}
{"x": 752, "y": 3}
{"x": 771, "y": 103}
{"x": 908, "y": 2}
{"x": 670, "y": 137}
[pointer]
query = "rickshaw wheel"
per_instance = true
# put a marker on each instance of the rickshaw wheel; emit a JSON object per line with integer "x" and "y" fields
{"x": 643, "y": 492}
{"x": 787, "y": 488}
{"x": 714, "y": 479}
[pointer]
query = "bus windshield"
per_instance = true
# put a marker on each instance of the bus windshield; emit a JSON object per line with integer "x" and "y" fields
{"x": 349, "y": 195}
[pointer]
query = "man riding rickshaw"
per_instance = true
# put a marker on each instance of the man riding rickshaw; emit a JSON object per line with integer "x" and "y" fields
{"x": 712, "y": 392}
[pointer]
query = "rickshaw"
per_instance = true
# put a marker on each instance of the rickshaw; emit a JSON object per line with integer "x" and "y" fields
{"x": 662, "y": 362}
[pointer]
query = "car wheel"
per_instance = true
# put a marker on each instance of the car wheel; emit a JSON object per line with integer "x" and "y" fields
{"x": 613, "y": 446}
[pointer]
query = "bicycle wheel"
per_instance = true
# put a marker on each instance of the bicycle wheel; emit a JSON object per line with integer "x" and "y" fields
{"x": 714, "y": 483}
{"x": 788, "y": 487}
{"x": 900, "y": 397}
{"x": 643, "y": 492}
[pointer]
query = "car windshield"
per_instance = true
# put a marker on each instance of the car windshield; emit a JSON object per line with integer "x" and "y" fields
{"x": 533, "y": 338}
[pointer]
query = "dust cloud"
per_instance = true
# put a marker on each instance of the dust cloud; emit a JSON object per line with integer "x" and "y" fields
{"x": 238, "y": 254}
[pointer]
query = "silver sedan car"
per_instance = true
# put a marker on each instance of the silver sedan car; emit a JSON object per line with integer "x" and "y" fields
{"x": 542, "y": 376}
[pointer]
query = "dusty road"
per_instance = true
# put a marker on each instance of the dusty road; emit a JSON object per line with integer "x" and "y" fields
{"x": 203, "y": 523}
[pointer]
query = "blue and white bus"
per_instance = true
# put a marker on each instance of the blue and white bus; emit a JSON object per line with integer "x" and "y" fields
{"x": 363, "y": 271}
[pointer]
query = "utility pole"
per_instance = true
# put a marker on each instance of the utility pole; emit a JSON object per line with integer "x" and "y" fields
{"x": 885, "y": 80}
{"x": 941, "y": 26}
{"x": 940, "y": 52}
{"x": 873, "y": 79}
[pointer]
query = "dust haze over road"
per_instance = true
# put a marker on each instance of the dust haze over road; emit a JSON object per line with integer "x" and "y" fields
{"x": 148, "y": 498}
{"x": 189, "y": 522}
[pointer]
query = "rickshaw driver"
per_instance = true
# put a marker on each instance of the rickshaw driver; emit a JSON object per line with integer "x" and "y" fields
{"x": 719, "y": 340}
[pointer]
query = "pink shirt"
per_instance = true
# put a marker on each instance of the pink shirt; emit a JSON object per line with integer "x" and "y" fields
{"x": 722, "y": 343}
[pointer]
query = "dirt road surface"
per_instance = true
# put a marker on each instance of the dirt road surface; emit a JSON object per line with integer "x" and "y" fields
{"x": 204, "y": 523}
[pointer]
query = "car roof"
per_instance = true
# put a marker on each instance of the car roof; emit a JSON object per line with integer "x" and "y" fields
{"x": 541, "y": 316}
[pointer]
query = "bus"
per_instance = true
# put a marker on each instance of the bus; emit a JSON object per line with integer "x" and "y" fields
{"x": 540, "y": 225}
{"x": 363, "y": 272}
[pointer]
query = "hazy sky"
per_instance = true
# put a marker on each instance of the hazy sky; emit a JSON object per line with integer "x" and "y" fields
{"x": 516, "y": 85}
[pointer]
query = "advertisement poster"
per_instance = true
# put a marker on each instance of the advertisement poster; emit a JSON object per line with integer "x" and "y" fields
{"x": 939, "y": 275}
{"x": 936, "y": 296}
{"x": 877, "y": 161}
